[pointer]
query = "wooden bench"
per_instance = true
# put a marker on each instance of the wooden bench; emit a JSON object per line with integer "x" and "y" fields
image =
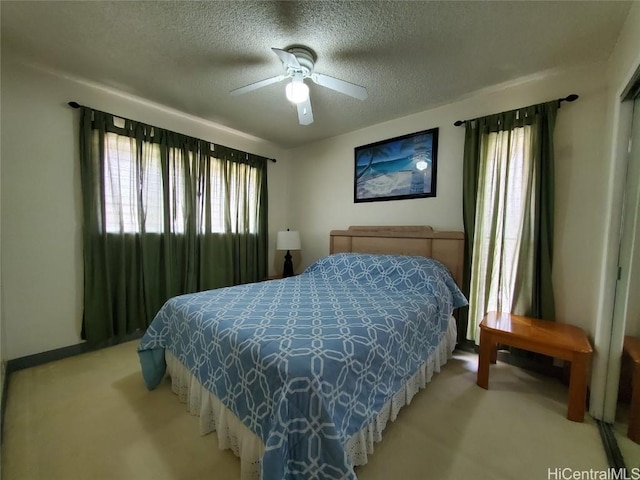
{"x": 631, "y": 361}
{"x": 557, "y": 340}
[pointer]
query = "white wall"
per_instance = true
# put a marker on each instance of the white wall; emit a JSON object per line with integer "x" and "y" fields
{"x": 323, "y": 172}
{"x": 41, "y": 202}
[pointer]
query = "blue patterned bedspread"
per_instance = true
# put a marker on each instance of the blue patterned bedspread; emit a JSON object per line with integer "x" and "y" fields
{"x": 306, "y": 362}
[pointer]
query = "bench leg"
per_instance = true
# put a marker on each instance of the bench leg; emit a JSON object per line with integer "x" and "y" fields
{"x": 578, "y": 387}
{"x": 484, "y": 359}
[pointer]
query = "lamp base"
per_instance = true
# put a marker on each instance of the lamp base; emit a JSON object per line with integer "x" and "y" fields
{"x": 287, "y": 271}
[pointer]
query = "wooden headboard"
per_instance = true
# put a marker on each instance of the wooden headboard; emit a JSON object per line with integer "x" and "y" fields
{"x": 446, "y": 247}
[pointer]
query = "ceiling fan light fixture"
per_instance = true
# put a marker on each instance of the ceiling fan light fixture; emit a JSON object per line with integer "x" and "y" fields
{"x": 298, "y": 63}
{"x": 297, "y": 91}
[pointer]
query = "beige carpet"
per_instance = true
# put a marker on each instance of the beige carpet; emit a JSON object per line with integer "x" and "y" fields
{"x": 90, "y": 417}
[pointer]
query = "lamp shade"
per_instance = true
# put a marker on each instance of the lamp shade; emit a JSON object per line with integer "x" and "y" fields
{"x": 288, "y": 240}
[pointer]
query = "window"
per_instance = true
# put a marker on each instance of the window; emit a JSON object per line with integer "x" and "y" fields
{"x": 240, "y": 185}
{"x": 134, "y": 199}
{"x": 163, "y": 214}
{"x": 504, "y": 190}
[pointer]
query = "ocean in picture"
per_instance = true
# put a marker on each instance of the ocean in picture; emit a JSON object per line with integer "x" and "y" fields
{"x": 394, "y": 169}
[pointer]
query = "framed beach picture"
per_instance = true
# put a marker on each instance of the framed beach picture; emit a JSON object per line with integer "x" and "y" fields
{"x": 397, "y": 168}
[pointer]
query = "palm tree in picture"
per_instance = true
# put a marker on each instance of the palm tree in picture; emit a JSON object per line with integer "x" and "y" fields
{"x": 375, "y": 151}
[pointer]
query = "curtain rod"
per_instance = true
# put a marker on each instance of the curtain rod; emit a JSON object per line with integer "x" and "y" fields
{"x": 569, "y": 98}
{"x": 77, "y": 105}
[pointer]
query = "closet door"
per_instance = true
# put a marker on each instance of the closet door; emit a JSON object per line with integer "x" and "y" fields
{"x": 630, "y": 245}
{"x": 626, "y": 315}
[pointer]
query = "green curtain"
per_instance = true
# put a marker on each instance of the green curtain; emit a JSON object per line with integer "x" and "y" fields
{"x": 163, "y": 214}
{"x": 508, "y": 204}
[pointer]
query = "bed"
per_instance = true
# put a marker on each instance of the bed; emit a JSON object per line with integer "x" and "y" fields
{"x": 299, "y": 376}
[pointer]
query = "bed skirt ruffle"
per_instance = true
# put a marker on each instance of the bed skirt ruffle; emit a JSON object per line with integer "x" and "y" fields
{"x": 235, "y": 436}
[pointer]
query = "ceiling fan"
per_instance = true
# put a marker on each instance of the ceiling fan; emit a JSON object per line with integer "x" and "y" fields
{"x": 298, "y": 65}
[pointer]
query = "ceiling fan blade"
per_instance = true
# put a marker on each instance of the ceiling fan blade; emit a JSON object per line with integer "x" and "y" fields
{"x": 305, "y": 115}
{"x": 286, "y": 57}
{"x": 256, "y": 85}
{"x": 341, "y": 86}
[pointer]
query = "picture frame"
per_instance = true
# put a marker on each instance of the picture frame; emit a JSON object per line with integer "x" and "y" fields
{"x": 397, "y": 168}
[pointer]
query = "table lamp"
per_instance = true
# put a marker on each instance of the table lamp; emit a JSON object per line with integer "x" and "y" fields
{"x": 289, "y": 240}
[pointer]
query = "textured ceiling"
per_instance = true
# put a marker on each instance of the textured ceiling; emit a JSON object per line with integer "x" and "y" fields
{"x": 410, "y": 56}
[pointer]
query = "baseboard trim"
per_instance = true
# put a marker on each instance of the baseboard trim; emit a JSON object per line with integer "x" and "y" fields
{"x": 65, "y": 352}
{"x": 51, "y": 356}
{"x": 5, "y": 389}
{"x": 45, "y": 357}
